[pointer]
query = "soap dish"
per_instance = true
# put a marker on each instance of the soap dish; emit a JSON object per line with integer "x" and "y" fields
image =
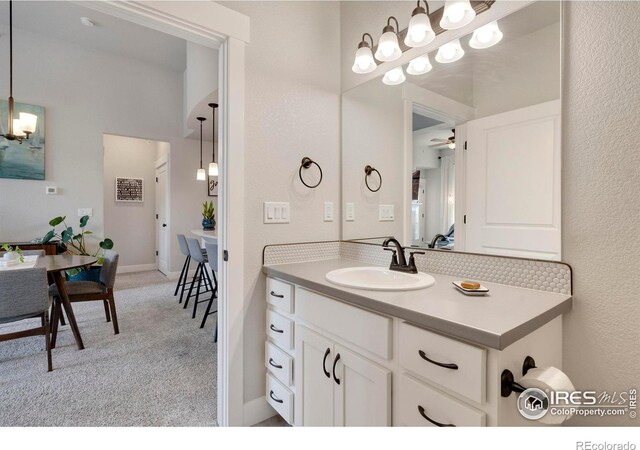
{"x": 476, "y": 292}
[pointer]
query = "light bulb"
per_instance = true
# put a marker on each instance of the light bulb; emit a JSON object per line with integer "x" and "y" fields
{"x": 388, "y": 48}
{"x": 419, "y": 65}
{"x": 450, "y": 52}
{"x": 457, "y": 14}
{"x": 213, "y": 169}
{"x": 486, "y": 36}
{"x": 394, "y": 77}
{"x": 201, "y": 175}
{"x": 451, "y": 145}
{"x": 364, "y": 62}
{"x": 420, "y": 32}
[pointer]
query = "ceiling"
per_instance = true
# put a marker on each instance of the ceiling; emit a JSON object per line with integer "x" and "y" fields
{"x": 61, "y": 20}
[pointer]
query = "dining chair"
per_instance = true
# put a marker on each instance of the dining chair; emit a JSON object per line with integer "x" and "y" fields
{"x": 85, "y": 291}
{"x": 182, "y": 281}
{"x": 212, "y": 252}
{"x": 199, "y": 277}
{"x": 23, "y": 295}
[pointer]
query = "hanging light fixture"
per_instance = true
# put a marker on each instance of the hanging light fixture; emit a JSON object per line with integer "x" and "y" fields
{"x": 486, "y": 36}
{"x": 420, "y": 32}
{"x": 419, "y": 65}
{"x": 20, "y": 128}
{"x": 394, "y": 77}
{"x": 456, "y": 14}
{"x": 201, "y": 175}
{"x": 450, "y": 52}
{"x": 388, "y": 48}
{"x": 364, "y": 62}
{"x": 213, "y": 165}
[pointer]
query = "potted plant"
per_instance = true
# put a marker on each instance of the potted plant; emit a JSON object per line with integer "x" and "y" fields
{"x": 73, "y": 243}
{"x": 12, "y": 254}
{"x": 208, "y": 221}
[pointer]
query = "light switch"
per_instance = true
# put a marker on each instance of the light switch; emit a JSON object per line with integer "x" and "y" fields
{"x": 385, "y": 213}
{"x": 85, "y": 212}
{"x": 350, "y": 212}
{"x": 276, "y": 212}
{"x": 328, "y": 211}
{"x": 52, "y": 190}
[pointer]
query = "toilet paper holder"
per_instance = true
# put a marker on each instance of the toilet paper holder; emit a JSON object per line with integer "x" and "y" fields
{"x": 508, "y": 383}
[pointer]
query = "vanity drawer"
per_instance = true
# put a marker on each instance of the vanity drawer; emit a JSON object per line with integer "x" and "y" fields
{"x": 280, "y": 330}
{"x": 365, "y": 329}
{"x": 417, "y": 398}
{"x": 280, "y": 398}
{"x": 280, "y": 295}
{"x": 279, "y": 363}
{"x": 452, "y": 364}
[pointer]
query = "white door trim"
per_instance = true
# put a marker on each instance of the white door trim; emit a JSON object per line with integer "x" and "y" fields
{"x": 216, "y": 26}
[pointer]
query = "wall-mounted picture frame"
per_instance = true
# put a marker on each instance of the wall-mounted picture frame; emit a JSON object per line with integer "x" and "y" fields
{"x": 212, "y": 186}
{"x": 129, "y": 190}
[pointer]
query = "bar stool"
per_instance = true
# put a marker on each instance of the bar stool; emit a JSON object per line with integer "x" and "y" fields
{"x": 212, "y": 252}
{"x": 182, "y": 281}
{"x": 201, "y": 275}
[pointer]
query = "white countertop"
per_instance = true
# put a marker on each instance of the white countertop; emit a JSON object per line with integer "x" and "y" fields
{"x": 496, "y": 320}
{"x": 208, "y": 235}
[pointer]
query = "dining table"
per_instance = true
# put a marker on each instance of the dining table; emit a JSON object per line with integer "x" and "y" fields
{"x": 56, "y": 267}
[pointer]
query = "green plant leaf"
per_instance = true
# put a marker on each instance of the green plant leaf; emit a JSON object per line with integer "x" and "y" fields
{"x": 47, "y": 237}
{"x": 88, "y": 232}
{"x": 73, "y": 272}
{"x": 83, "y": 221}
{"x": 57, "y": 221}
{"x": 67, "y": 235}
{"x": 107, "y": 244}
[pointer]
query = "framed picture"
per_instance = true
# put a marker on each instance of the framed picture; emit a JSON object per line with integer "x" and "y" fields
{"x": 24, "y": 161}
{"x": 129, "y": 190}
{"x": 212, "y": 186}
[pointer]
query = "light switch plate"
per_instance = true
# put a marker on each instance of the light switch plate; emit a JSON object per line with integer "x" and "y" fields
{"x": 276, "y": 212}
{"x": 328, "y": 211}
{"x": 385, "y": 213}
{"x": 85, "y": 212}
{"x": 350, "y": 212}
{"x": 52, "y": 190}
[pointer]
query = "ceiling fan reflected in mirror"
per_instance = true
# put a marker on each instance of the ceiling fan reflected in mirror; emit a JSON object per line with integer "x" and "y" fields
{"x": 449, "y": 142}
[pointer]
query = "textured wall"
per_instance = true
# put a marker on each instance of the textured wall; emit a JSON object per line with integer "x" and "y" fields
{"x": 601, "y": 196}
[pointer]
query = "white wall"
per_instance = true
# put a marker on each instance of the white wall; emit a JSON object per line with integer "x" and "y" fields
{"x": 600, "y": 196}
{"x": 85, "y": 94}
{"x": 292, "y": 110}
{"x": 433, "y": 200}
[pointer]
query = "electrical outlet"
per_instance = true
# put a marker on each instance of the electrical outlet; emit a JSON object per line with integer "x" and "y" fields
{"x": 328, "y": 211}
{"x": 85, "y": 212}
{"x": 276, "y": 212}
{"x": 385, "y": 213}
{"x": 350, "y": 212}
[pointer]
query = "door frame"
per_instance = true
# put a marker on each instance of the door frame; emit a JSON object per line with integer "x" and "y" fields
{"x": 163, "y": 161}
{"x": 213, "y": 25}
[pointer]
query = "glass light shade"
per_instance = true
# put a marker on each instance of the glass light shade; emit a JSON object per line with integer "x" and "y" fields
{"x": 28, "y": 122}
{"x": 419, "y": 32}
{"x": 17, "y": 129}
{"x": 457, "y": 13}
{"x": 450, "y": 52}
{"x": 213, "y": 169}
{"x": 364, "y": 62}
{"x": 486, "y": 36}
{"x": 388, "y": 48}
{"x": 419, "y": 65}
{"x": 201, "y": 175}
{"x": 451, "y": 145}
{"x": 394, "y": 77}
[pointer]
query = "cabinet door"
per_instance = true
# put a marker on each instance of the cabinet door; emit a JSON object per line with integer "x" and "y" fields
{"x": 313, "y": 381}
{"x": 362, "y": 390}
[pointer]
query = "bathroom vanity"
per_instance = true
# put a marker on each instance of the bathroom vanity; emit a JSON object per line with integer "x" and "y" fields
{"x": 429, "y": 357}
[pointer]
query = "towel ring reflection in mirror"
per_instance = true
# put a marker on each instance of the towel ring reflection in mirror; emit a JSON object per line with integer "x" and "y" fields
{"x": 307, "y": 163}
{"x": 368, "y": 170}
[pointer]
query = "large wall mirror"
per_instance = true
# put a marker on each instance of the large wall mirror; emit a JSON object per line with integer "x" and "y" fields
{"x": 466, "y": 156}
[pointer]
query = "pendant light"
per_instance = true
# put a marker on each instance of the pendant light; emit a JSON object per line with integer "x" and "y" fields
{"x": 450, "y": 52}
{"x": 213, "y": 166}
{"x": 420, "y": 32}
{"x": 486, "y": 36}
{"x": 21, "y": 128}
{"x": 388, "y": 48}
{"x": 201, "y": 175}
{"x": 364, "y": 62}
{"x": 419, "y": 65}
{"x": 456, "y": 14}
{"x": 394, "y": 77}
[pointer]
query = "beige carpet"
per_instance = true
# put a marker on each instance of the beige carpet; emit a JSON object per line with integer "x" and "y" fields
{"x": 159, "y": 371}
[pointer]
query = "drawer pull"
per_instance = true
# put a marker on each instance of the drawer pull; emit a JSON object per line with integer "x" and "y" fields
{"x": 281, "y": 331}
{"x": 274, "y": 398}
{"x": 324, "y": 363}
{"x": 451, "y": 366}
{"x": 273, "y": 294}
{"x": 335, "y": 362}
{"x": 273, "y": 364}
{"x": 438, "y": 424}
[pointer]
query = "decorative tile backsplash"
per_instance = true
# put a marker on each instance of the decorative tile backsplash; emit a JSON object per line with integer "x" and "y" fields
{"x": 549, "y": 276}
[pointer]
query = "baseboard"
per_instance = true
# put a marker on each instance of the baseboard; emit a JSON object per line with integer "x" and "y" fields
{"x": 256, "y": 411}
{"x": 137, "y": 268}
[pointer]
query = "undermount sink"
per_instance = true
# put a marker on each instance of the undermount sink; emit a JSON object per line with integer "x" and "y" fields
{"x": 379, "y": 279}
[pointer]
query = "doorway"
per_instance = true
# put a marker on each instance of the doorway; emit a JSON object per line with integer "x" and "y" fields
{"x": 162, "y": 214}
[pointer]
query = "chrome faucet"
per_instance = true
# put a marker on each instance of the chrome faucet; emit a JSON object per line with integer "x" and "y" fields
{"x": 435, "y": 240}
{"x": 398, "y": 260}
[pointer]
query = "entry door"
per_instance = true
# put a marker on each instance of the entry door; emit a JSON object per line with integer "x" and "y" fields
{"x": 513, "y": 167}
{"x": 162, "y": 195}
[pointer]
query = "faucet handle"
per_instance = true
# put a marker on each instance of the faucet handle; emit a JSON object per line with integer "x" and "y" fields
{"x": 394, "y": 257}
{"x": 416, "y": 253}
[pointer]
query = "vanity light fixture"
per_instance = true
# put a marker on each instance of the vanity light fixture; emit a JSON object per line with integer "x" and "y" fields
{"x": 457, "y": 14}
{"x": 394, "y": 77}
{"x": 419, "y": 65}
{"x": 364, "y": 62}
{"x": 20, "y": 128}
{"x": 201, "y": 175}
{"x": 486, "y": 36}
{"x": 450, "y": 52}
{"x": 420, "y": 32}
{"x": 388, "y": 48}
{"x": 213, "y": 165}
